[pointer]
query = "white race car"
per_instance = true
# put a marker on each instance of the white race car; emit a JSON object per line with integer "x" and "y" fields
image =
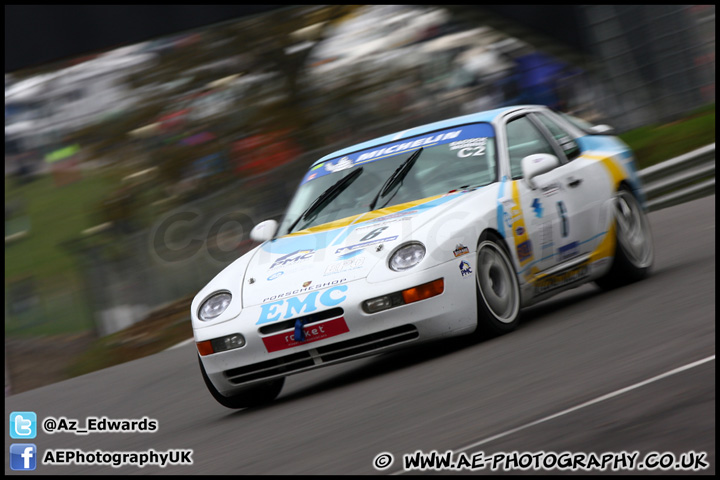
{"x": 440, "y": 230}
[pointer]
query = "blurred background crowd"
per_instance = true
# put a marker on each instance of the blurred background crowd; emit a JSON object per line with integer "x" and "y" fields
{"x": 106, "y": 154}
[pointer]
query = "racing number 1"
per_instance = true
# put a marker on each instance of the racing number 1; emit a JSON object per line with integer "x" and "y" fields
{"x": 562, "y": 212}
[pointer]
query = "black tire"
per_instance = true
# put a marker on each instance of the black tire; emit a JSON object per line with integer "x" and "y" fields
{"x": 251, "y": 396}
{"x": 498, "y": 289}
{"x": 634, "y": 252}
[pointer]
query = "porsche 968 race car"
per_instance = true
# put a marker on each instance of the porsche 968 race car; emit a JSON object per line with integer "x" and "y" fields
{"x": 445, "y": 229}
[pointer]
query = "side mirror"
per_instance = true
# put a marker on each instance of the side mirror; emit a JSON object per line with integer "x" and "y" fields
{"x": 537, "y": 164}
{"x": 602, "y": 130}
{"x": 264, "y": 231}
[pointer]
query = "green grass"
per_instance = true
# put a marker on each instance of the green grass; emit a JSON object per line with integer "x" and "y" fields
{"x": 56, "y": 214}
{"x": 653, "y": 144}
{"x": 51, "y": 214}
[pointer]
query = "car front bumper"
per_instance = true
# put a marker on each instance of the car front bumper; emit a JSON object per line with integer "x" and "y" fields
{"x": 453, "y": 312}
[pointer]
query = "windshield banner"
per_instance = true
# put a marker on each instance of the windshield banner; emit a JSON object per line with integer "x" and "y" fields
{"x": 453, "y": 136}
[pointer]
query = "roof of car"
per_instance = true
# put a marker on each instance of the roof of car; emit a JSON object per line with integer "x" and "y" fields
{"x": 486, "y": 116}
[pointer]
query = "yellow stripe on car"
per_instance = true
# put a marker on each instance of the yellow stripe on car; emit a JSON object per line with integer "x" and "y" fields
{"x": 520, "y": 234}
{"x": 363, "y": 217}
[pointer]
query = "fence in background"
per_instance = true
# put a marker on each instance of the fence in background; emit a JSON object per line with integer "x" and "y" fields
{"x": 658, "y": 61}
{"x": 680, "y": 179}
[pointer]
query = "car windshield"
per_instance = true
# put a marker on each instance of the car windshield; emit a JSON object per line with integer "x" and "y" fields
{"x": 450, "y": 159}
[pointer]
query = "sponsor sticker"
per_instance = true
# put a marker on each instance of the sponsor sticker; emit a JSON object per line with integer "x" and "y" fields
{"x": 568, "y": 251}
{"x": 475, "y": 132}
{"x": 508, "y": 220}
{"x": 345, "y": 265}
{"x": 460, "y": 250}
{"x": 430, "y": 140}
{"x": 465, "y": 268}
{"x": 343, "y": 164}
{"x": 469, "y": 142}
{"x": 292, "y": 258}
{"x": 305, "y": 288}
{"x": 392, "y": 216}
{"x": 547, "y": 234}
{"x": 470, "y": 147}
{"x": 276, "y": 275}
{"x": 295, "y": 305}
{"x": 311, "y": 333}
{"x": 524, "y": 250}
{"x": 561, "y": 279}
{"x": 382, "y": 221}
{"x": 359, "y": 246}
{"x": 537, "y": 208}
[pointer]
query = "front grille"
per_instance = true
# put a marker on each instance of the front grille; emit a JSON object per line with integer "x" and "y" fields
{"x": 287, "y": 364}
{"x": 367, "y": 343}
{"x": 347, "y": 349}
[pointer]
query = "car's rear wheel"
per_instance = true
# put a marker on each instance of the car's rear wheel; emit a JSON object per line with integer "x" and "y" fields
{"x": 634, "y": 252}
{"x": 498, "y": 290}
{"x": 251, "y": 396}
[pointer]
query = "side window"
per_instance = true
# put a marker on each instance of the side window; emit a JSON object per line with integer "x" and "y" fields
{"x": 565, "y": 141}
{"x": 524, "y": 139}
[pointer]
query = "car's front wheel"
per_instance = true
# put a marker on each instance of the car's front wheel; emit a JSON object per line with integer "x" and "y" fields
{"x": 251, "y": 396}
{"x": 634, "y": 249}
{"x": 498, "y": 289}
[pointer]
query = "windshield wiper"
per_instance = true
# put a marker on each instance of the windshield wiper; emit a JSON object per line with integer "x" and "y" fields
{"x": 397, "y": 177}
{"x": 326, "y": 197}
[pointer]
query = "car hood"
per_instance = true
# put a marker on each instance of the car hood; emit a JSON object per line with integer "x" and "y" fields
{"x": 335, "y": 253}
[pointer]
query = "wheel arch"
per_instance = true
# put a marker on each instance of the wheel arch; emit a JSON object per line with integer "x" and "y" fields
{"x": 636, "y": 189}
{"x": 506, "y": 242}
{"x": 493, "y": 231}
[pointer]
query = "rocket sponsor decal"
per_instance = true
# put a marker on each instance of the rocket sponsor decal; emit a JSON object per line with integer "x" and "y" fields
{"x": 305, "y": 334}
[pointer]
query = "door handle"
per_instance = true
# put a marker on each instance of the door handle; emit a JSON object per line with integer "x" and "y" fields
{"x": 574, "y": 182}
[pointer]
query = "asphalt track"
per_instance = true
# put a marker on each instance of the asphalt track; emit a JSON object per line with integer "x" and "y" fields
{"x": 589, "y": 371}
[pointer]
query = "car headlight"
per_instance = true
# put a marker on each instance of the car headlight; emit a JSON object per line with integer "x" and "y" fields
{"x": 407, "y": 256}
{"x": 214, "y": 306}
